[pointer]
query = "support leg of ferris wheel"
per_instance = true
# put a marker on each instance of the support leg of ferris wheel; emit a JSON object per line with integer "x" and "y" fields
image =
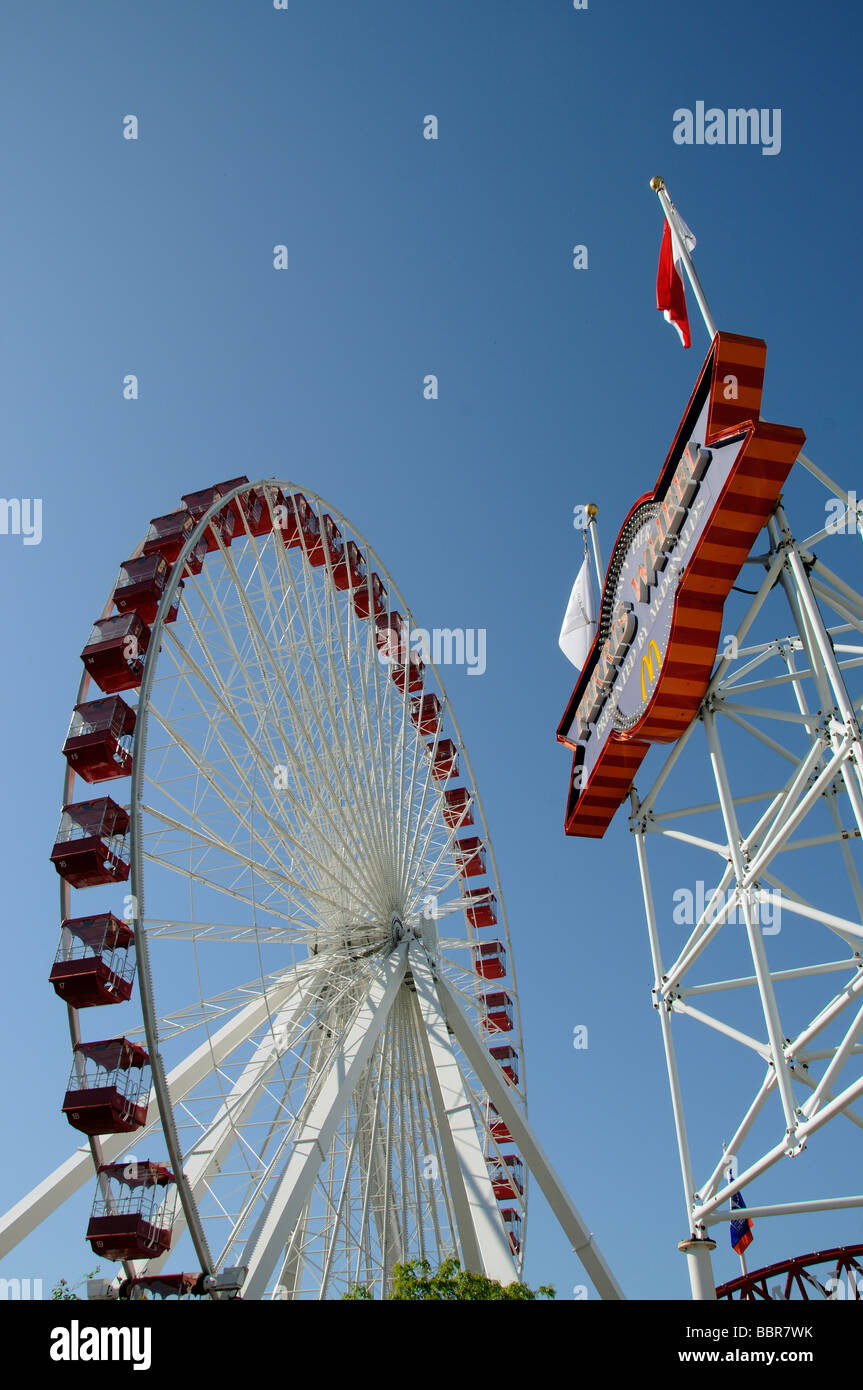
{"x": 268, "y": 1239}
{"x": 484, "y": 1241}
{"x": 366, "y": 1141}
{"x": 290, "y": 1279}
{"x": 832, "y": 764}
{"x": 370, "y": 1141}
{"x": 289, "y": 1283}
{"x": 510, "y": 1111}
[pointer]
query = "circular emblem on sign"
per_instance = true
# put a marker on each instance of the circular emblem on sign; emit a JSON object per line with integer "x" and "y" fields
{"x": 642, "y": 514}
{"x": 637, "y": 583}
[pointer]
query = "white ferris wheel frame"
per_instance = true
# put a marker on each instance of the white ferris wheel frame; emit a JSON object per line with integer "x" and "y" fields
{"x": 436, "y": 1016}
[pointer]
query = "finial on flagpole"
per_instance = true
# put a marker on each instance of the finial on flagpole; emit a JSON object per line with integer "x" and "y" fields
{"x": 656, "y": 183}
{"x": 592, "y": 513}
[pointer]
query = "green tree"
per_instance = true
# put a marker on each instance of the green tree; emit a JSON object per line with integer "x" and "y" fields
{"x": 414, "y": 1282}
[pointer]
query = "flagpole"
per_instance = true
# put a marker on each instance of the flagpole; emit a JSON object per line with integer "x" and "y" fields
{"x": 592, "y": 513}
{"x": 658, "y": 186}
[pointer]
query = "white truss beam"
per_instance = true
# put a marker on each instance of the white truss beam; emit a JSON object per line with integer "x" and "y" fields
{"x": 282, "y": 1209}
{"x": 502, "y": 1098}
{"x": 485, "y": 1245}
{"x": 826, "y": 755}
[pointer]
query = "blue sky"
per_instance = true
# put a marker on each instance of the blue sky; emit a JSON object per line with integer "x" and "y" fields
{"x": 556, "y": 386}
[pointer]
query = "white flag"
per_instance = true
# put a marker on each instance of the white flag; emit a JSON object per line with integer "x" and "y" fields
{"x": 685, "y": 236}
{"x": 579, "y": 622}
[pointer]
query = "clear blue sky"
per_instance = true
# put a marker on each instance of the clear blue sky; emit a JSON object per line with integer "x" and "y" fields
{"x": 557, "y": 386}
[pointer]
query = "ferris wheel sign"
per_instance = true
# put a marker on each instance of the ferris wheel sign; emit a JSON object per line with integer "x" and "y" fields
{"x": 678, "y": 554}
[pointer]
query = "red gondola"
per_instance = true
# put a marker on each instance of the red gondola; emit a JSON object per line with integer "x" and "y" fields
{"x": 469, "y": 856}
{"x": 115, "y": 650}
{"x": 392, "y": 636}
{"x": 444, "y": 760}
{"x": 350, "y": 571}
{"x": 507, "y": 1057}
{"x": 140, "y": 586}
{"x": 93, "y": 964}
{"x": 109, "y": 1087}
{"x": 298, "y": 522}
{"x": 483, "y": 909}
{"x": 98, "y": 745}
{"x": 507, "y": 1176}
{"x": 371, "y": 597}
{"x": 512, "y": 1221}
{"x": 413, "y": 674}
{"x": 91, "y": 843}
{"x": 497, "y": 1126}
{"x": 489, "y": 960}
{"x": 456, "y": 809}
{"x": 426, "y": 713}
{"x": 266, "y": 519}
{"x": 168, "y": 534}
{"x": 328, "y": 543}
{"x": 133, "y": 1211}
{"x": 497, "y": 1012}
{"x": 223, "y": 525}
{"x": 309, "y": 536}
{"x": 247, "y": 506}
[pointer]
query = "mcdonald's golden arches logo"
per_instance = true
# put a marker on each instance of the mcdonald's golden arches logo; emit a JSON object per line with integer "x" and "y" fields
{"x": 647, "y": 666}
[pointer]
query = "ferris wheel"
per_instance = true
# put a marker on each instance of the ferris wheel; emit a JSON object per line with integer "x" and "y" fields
{"x": 295, "y": 910}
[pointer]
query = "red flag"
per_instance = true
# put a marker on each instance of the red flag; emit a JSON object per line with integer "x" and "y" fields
{"x": 670, "y": 294}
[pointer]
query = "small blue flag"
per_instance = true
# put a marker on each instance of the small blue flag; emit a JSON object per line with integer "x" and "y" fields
{"x": 741, "y": 1231}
